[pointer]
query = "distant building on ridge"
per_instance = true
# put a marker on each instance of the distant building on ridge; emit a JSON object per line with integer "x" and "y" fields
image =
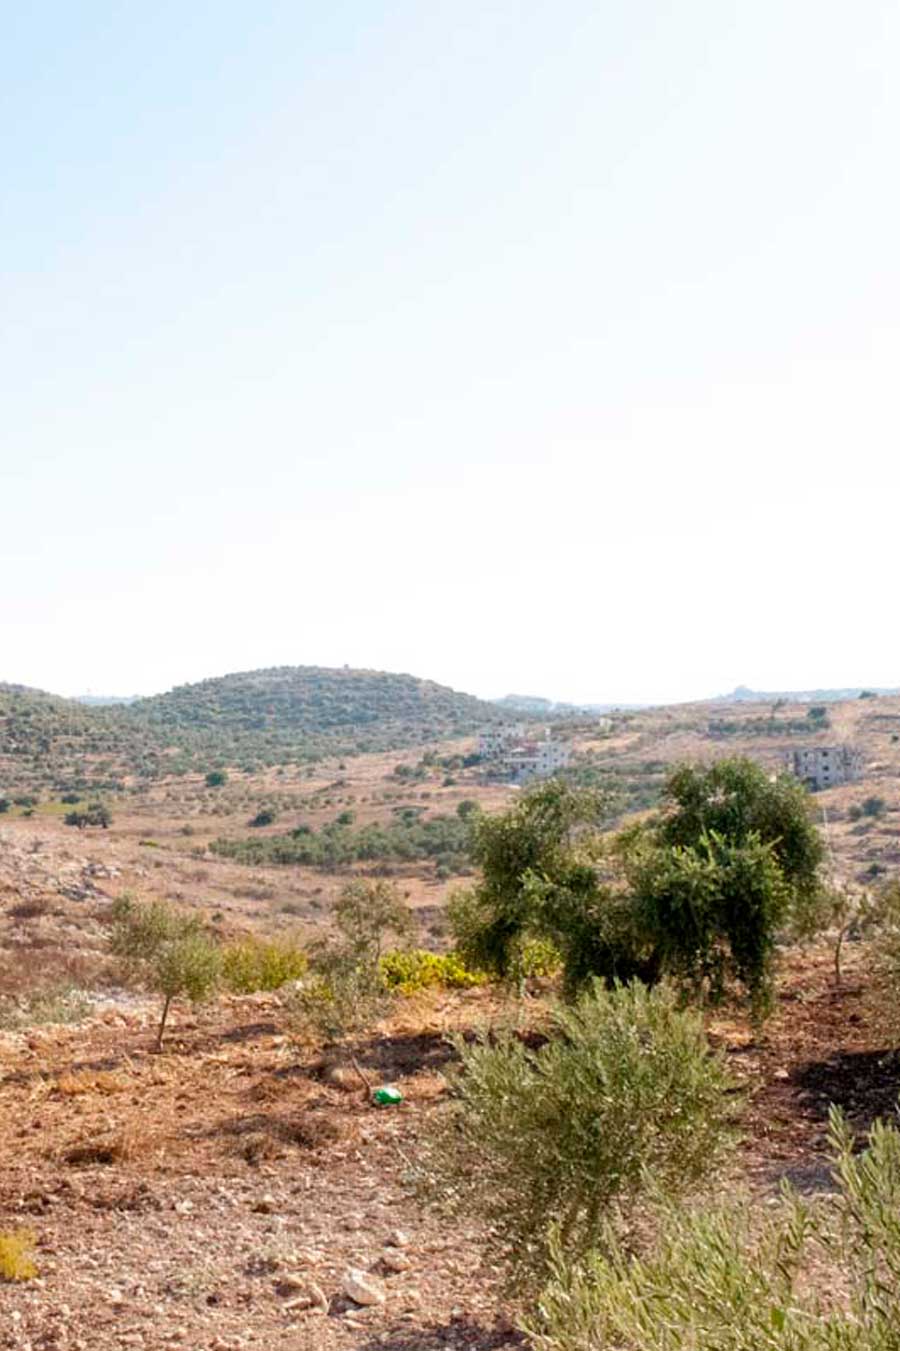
{"x": 824, "y": 766}
{"x": 514, "y": 753}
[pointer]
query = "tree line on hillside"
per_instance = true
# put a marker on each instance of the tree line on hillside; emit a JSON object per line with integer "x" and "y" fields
{"x": 410, "y": 838}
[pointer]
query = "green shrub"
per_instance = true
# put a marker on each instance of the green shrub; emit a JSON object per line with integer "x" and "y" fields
{"x": 257, "y": 964}
{"x": 824, "y": 1277}
{"x": 95, "y": 814}
{"x": 535, "y": 882}
{"x": 737, "y": 800}
{"x": 408, "y": 970}
{"x": 264, "y": 817}
{"x": 872, "y": 806}
{"x": 712, "y": 912}
{"x": 625, "y": 1092}
{"x": 346, "y": 991}
{"x": 164, "y": 951}
{"x": 216, "y": 778}
{"x": 539, "y": 959}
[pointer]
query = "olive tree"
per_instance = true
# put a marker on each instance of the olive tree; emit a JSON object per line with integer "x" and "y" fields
{"x": 346, "y": 991}
{"x": 165, "y": 951}
{"x": 623, "y": 1095}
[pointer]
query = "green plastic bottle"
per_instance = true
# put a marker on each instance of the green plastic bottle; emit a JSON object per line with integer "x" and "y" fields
{"x": 387, "y": 1096}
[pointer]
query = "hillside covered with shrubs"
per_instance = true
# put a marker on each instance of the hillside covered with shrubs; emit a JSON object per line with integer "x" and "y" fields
{"x": 285, "y": 715}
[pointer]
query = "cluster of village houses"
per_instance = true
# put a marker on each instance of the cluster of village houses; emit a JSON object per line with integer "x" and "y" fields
{"x": 520, "y": 753}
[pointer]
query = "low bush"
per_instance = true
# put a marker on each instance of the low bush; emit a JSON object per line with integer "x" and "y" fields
{"x": 164, "y": 951}
{"x": 95, "y": 814}
{"x": 16, "y": 1261}
{"x": 409, "y": 838}
{"x": 625, "y": 1092}
{"x": 59, "y": 1003}
{"x": 264, "y": 817}
{"x": 346, "y": 991}
{"x": 256, "y": 964}
{"x": 824, "y": 1277}
{"x": 409, "y": 970}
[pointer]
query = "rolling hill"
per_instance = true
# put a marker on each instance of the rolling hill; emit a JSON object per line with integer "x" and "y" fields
{"x": 285, "y": 714}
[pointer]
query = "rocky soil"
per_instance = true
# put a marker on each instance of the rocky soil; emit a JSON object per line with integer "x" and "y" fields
{"x": 236, "y": 1191}
{"x": 228, "y": 1193}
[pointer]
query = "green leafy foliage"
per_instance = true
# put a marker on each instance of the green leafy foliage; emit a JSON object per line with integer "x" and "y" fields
{"x": 824, "y": 1277}
{"x": 409, "y": 970}
{"x": 534, "y": 881}
{"x": 261, "y": 964}
{"x": 264, "y": 817}
{"x": 347, "y": 990}
{"x": 445, "y": 839}
{"x": 624, "y": 1091}
{"x": 95, "y": 814}
{"x": 164, "y": 951}
{"x": 712, "y": 911}
{"x": 737, "y": 799}
{"x": 698, "y": 892}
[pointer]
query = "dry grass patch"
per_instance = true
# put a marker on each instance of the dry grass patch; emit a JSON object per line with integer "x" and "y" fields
{"x": 16, "y": 1262}
{"x": 122, "y": 1145}
{"x": 261, "y": 1137}
{"x": 83, "y": 1083}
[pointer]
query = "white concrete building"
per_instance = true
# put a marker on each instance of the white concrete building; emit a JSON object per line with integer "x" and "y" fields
{"x": 824, "y": 766}
{"x": 518, "y": 757}
{"x": 493, "y": 741}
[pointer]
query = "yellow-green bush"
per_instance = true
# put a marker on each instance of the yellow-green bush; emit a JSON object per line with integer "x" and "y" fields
{"x": 538, "y": 959}
{"x": 407, "y": 971}
{"x": 261, "y": 964}
{"x": 15, "y": 1256}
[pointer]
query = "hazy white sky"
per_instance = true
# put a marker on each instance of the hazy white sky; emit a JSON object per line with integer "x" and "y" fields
{"x": 549, "y": 345}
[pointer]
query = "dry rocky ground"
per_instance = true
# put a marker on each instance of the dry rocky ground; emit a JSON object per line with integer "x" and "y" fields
{"x": 224, "y": 1193}
{"x": 220, "y": 1194}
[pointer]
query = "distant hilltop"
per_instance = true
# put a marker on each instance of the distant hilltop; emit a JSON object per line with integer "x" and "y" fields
{"x": 535, "y": 706}
{"x": 105, "y": 700}
{"x": 531, "y": 703}
{"x": 743, "y": 695}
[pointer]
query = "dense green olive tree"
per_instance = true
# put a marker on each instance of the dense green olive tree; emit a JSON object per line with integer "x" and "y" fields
{"x": 699, "y": 890}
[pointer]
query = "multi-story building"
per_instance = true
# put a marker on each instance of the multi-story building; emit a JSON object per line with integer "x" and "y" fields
{"x": 510, "y": 753}
{"x": 824, "y": 766}
{"x": 495, "y": 740}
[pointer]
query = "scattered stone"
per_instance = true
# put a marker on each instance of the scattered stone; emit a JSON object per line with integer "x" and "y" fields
{"x": 363, "y": 1288}
{"x": 318, "y": 1297}
{"x": 266, "y": 1205}
{"x": 395, "y": 1260}
{"x": 291, "y": 1284}
{"x": 398, "y": 1238}
{"x": 297, "y": 1303}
